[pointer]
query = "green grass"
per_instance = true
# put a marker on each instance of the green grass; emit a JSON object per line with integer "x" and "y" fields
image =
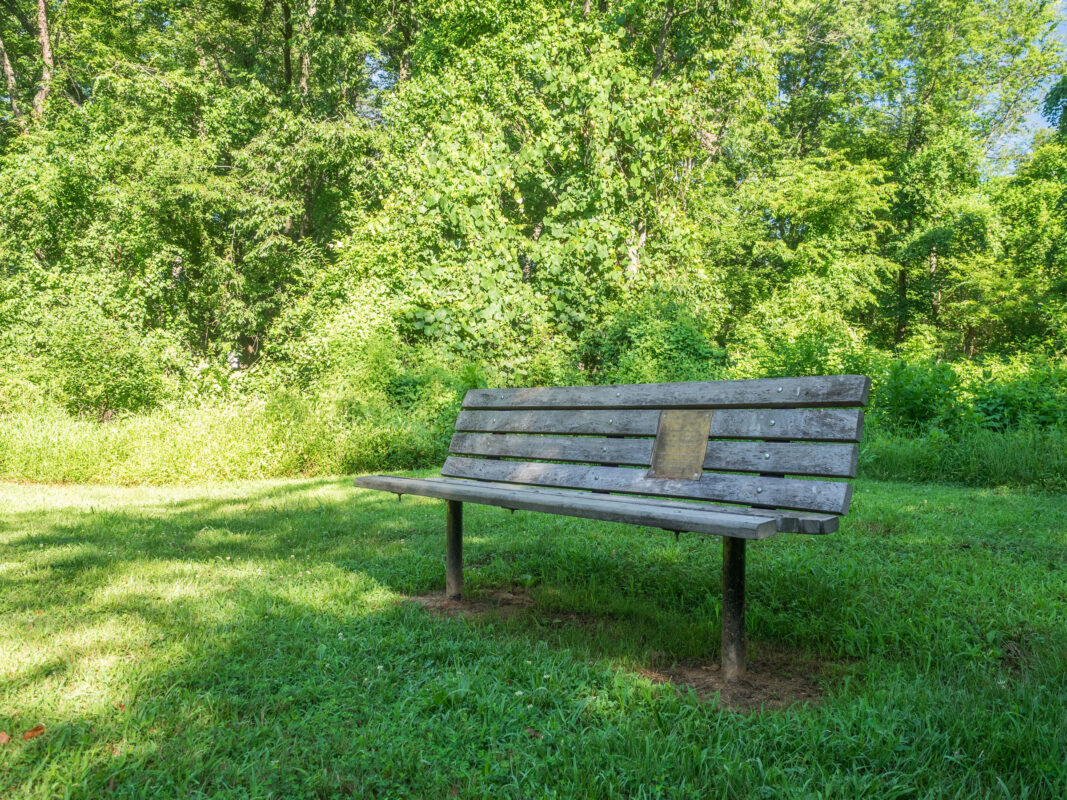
{"x": 1035, "y": 458}
{"x": 251, "y": 439}
{"x": 251, "y": 640}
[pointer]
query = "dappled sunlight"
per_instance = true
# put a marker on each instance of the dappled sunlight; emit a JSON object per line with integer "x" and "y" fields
{"x": 225, "y": 639}
{"x": 83, "y": 666}
{"x": 150, "y": 584}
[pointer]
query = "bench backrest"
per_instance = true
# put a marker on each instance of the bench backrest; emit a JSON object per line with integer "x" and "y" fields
{"x": 760, "y": 433}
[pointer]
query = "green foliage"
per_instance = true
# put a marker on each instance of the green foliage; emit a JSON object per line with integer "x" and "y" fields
{"x": 333, "y": 217}
{"x": 650, "y": 341}
{"x": 100, "y": 369}
{"x": 919, "y": 395}
{"x": 797, "y": 332}
{"x": 1055, "y": 106}
{"x": 1025, "y": 395}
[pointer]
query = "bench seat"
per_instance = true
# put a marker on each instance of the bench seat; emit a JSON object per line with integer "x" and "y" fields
{"x": 654, "y": 512}
{"x": 690, "y": 517}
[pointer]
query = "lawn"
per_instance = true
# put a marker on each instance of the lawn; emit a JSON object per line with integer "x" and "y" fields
{"x": 255, "y": 640}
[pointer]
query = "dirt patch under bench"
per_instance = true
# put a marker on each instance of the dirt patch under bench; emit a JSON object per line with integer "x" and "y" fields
{"x": 500, "y": 603}
{"x": 777, "y": 677}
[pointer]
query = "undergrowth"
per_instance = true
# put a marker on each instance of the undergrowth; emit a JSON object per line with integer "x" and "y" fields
{"x": 289, "y": 436}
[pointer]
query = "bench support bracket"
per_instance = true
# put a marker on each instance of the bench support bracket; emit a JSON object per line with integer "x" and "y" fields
{"x": 454, "y": 550}
{"x": 733, "y": 608}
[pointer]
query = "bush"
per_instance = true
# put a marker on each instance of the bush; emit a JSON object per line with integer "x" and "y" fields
{"x": 917, "y": 396}
{"x": 652, "y": 341}
{"x": 1020, "y": 395}
{"x": 997, "y": 395}
{"x": 100, "y": 368}
{"x": 19, "y": 394}
{"x": 801, "y": 332}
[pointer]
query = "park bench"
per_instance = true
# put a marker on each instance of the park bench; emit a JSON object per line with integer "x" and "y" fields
{"x": 741, "y": 459}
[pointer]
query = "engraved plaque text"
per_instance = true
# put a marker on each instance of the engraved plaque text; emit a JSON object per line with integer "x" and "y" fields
{"x": 681, "y": 442}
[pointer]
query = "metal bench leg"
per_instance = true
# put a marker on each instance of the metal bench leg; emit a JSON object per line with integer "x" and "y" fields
{"x": 454, "y": 550}
{"x": 733, "y": 608}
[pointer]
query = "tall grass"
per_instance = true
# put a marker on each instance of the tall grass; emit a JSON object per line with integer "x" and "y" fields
{"x": 289, "y": 436}
{"x": 1035, "y": 457}
{"x": 238, "y": 441}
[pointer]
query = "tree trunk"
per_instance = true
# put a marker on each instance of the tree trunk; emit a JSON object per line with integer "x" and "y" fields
{"x": 287, "y": 49}
{"x": 305, "y": 56}
{"x": 12, "y": 86}
{"x": 661, "y": 46}
{"x": 935, "y": 293}
{"x": 902, "y": 305}
{"x": 636, "y": 242}
{"x": 47, "y": 63}
{"x": 404, "y": 71}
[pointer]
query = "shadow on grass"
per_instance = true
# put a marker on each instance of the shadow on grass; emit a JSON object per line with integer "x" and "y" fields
{"x": 661, "y": 599}
{"x": 257, "y": 645}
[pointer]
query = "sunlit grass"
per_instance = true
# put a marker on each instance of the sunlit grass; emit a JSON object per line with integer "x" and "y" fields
{"x": 244, "y": 441}
{"x": 252, "y": 640}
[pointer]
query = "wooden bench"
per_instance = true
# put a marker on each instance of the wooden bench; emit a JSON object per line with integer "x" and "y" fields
{"x": 668, "y": 455}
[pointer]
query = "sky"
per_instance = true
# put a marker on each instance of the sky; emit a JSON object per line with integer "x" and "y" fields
{"x": 1034, "y": 121}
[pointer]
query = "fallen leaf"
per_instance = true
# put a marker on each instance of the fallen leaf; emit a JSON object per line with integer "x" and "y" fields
{"x": 4, "y": 738}
{"x": 33, "y": 732}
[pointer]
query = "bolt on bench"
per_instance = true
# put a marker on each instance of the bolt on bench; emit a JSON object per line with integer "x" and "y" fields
{"x": 663, "y": 455}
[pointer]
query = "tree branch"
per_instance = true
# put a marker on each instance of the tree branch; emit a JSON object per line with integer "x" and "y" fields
{"x": 669, "y": 17}
{"x": 12, "y": 86}
{"x": 661, "y": 46}
{"x": 18, "y": 14}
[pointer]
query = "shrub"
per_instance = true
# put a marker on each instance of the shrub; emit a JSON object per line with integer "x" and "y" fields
{"x": 19, "y": 394}
{"x": 100, "y": 368}
{"x": 1019, "y": 395}
{"x": 654, "y": 340}
{"x": 995, "y": 395}
{"x": 800, "y": 332}
{"x": 919, "y": 395}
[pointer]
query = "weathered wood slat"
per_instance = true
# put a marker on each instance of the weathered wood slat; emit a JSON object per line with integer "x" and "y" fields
{"x": 581, "y": 504}
{"x": 819, "y": 424}
{"x": 824, "y": 391}
{"x": 788, "y": 521}
{"x": 803, "y": 495}
{"x": 800, "y": 458}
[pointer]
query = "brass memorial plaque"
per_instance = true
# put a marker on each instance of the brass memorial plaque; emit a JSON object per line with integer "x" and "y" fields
{"x": 681, "y": 442}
